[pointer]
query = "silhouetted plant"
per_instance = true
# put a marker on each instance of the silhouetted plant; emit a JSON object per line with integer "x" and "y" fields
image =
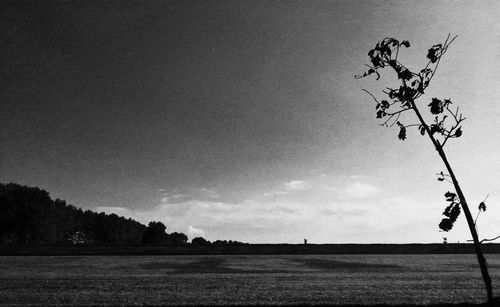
{"x": 200, "y": 241}
{"x": 155, "y": 234}
{"x": 29, "y": 216}
{"x": 446, "y": 124}
{"x": 177, "y": 238}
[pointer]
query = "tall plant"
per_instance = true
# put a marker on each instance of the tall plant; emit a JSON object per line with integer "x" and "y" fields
{"x": 446, "y": 124}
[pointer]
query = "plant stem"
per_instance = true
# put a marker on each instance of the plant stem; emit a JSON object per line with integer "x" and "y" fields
{"x": 470, "y": 220}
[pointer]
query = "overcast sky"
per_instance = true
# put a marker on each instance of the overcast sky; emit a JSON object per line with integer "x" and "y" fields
{"x": 242, "y": 120}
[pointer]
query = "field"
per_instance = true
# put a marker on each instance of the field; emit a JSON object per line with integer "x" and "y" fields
{"x": 243, "y": 279}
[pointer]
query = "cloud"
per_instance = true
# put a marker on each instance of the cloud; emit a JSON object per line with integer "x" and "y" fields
{"x": 293, "y": 219}
{"x": 323, "y": 210}
{"x": 209, "y": 192}
{"x": 343, "y": 212}
{"x": 194, "y": 232}
{"x": 361, "y": 190}
{"x": 221, "y": 220}
{"x": 177, "y": 195}
{"x": 267, "y": 194}
{"x": 296, "y": 185}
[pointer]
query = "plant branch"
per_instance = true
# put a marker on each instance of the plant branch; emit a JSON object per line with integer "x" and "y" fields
{"x": 486, "y": 240}
{"x": 412, "y": 87}
{"x": 366, "y": 91}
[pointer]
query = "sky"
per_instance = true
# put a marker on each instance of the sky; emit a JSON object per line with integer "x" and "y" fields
{"x": 242, "y": 120}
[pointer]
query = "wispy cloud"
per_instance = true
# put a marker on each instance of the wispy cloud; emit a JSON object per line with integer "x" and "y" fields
{"x": 194, "y": 232}
{"x": 209, "y": 192}
{"x": 322, "y": 210}
{"x": 297, "y": 185}
{"x": 361, "y": 190}
{"x": 276, "y": 193}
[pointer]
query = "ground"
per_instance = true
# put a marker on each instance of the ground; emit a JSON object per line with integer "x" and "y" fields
{"x": 243, "y": 279}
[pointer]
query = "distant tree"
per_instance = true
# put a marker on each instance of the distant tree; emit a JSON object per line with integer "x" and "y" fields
{"x": 155, "y": 233}
{"x": 445, "y": 124}
{"x": 200, "y": 241}
{"x": 230, "y": 242}
{"x": 28, "y": 215}
{"x": 219, "y": 243}
{"x": 177, "y": 238}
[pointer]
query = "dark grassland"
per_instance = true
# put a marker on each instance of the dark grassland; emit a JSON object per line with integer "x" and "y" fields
{"x": 245, "y": 249}
{"x": 243, "y": 279}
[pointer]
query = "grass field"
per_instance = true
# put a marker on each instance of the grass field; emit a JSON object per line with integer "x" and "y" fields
{"x": 240, "y": 279}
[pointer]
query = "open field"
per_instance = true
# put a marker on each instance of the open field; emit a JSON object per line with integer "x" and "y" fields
{"x": 245, "y": 249}
{"x": 243, "y": 279}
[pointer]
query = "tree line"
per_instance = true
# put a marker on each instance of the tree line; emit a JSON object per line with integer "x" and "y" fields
{"x": 28, "y": 215}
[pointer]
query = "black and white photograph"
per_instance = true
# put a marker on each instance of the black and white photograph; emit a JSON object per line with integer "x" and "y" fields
{"x": 249, "y": 152}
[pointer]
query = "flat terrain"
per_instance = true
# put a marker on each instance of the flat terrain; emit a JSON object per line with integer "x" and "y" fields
{"x": 243, "y": 279}
{"x": 245, "y": 249}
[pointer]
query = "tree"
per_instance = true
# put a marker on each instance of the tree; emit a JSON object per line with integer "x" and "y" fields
{"x": 446, "y": 124}
{"x": 155, "y": 233}
{"x": 28, "y": 215}
{"x": 200, "y": 241}
{"x": 177, "y": 238}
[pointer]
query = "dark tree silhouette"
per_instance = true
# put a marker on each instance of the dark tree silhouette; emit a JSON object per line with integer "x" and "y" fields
{"x": 200, "y": 241}
{"x": 29, "y": 216}
{"x": 445, "y": 124}
{"x": 155, "y": 234}
{"x": 177, "y": 238}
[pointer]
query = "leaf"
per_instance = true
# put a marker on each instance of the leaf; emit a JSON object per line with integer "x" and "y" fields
{"x": 433, "y": 53}
{"x": 445, "y": 225}
{"x": 405, "y": 43}
{"x": 425, "y": 72}
{"x": 436, "y": 106}
{"x": 402, "y": 132}
{"x": 376, "y": 61}
{"x": 393, "y": 94}
{"x": 450, "y": 196}
{"x": 405, "y": 75}
{"x": 447, "y": 210}
{"x": 440, "y": 179}
{"x": 422, "y": 130}
{"x": 436, "y": 128}
{"x": 451, "y": 212}
{"x": 482, "y": 206}
{"x": 458, "y": 132}
{"x": 387, "y": 50}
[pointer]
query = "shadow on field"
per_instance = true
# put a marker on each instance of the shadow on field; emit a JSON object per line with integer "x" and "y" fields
{"x": 325, "y": 264}
{"x": 203, "y": 265}
{"x": 218, "y": 265}
{"x": 206, "y": 265}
